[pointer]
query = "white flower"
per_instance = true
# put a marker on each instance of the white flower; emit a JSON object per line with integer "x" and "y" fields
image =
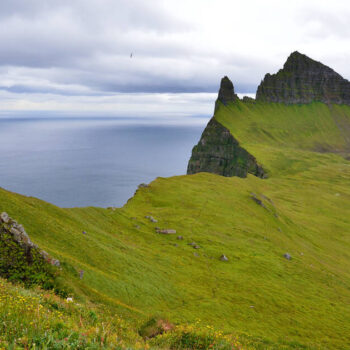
{"x": 69, "y": 300}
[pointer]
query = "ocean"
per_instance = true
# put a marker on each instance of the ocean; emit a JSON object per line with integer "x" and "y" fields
{"x": 78, "y": 162}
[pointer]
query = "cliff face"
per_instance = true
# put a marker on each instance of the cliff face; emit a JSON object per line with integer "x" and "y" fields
{"x": 303, "y": 80}
{"x": 218, "y": 152}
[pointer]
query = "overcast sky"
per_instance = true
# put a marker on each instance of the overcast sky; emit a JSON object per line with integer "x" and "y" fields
{"x": 73, "y": 56}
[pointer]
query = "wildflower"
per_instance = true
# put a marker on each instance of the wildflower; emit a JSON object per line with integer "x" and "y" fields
{"x": 69, "y": 300}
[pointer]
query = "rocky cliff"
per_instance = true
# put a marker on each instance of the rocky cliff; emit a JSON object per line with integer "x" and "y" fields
{"x": 303, "y": 80}
{"x": 20, "y": 259}
{"x": 218, "y": 151}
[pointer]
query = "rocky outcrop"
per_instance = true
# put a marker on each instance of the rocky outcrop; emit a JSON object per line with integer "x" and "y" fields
{"x": 303, "y": 80}
{"x": 226, "y": 93}
{"x": 20, "y": 258}
{"x": 219, "y": 152}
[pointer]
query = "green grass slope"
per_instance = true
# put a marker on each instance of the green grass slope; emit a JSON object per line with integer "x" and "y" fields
{"x": 305, "y": 211}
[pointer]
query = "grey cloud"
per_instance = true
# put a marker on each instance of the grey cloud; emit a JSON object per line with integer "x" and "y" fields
{"x": 82, "y": 48}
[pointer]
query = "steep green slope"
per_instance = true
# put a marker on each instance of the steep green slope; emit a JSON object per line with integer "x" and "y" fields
{"x": 280, "y": 136}
{"x": 303, "y": 209}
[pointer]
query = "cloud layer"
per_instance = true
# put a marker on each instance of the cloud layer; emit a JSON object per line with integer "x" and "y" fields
{"x": 61, "y": 54}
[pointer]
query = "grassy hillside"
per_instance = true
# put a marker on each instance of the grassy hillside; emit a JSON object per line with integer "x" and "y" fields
{"x": 303, "y": 209}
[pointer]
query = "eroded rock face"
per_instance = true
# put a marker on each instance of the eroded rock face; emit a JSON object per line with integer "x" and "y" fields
{"x": 219, "y": 152}
{"x": 15, "y": 231}
{"x": 303, "y": 80}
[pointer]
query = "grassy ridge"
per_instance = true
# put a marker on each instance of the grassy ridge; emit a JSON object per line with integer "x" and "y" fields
{"x": 305, "y": 212}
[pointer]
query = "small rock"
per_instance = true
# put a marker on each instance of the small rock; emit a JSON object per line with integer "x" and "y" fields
{"x": 143, "y": 185}
{"x": 4, "y": 218}
{"x": 175, "y": 245}
{"x": 192, "y": 244}
{"x": 223, "y": 257}
{"x": 279, "y": 229}
{"x": 151, "y": 218}
{"x": 287, "y": 256}
{"x": 55, "y": 262}
{"x": 255, "y": 198}
{"x": 44, "y": 254}
{"x": 167, "y": 232}
{"x": 180, "y": 238}
{"x": 196, "y": 254}
{"x": 81, "y": 274}
{"x": 196, "y": 247}
{"x": 137, "y": 227}
{"x": 251, "y": 306}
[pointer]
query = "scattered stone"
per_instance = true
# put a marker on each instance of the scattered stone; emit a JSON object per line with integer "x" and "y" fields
{"x": 155, "y": 327}
{"x": 180, "y": 238}
{"x": 196, "y": 247}
{"x": 287, "y": 256}
{"x": 4, "y": 218}
{"x": 54, "y": 262}
{"x": 151, "y": 218}
{"x": 137, "y": 227}
{"x": 44, "y": 254}
{"x": 196, "y": 254}
{"x": 279, "y": 229}
{"x": 175, "y": 245}
{"x": 81, "y": 274}
{"x": 223, "y": 257}
{"x": 167, "y": 231}
{"x": 192, "y": 244}
{"x": 251, "y": 306}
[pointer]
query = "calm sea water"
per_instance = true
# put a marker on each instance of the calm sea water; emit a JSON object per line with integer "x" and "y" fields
{"x": 89, "y": 162}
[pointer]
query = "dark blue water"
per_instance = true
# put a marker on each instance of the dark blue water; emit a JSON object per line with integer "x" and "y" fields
{"x": 89, "y": 162}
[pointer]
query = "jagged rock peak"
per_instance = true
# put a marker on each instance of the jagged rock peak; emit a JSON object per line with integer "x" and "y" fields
{"x": 304, "y": 80}
{"x": 226, "y": 92}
